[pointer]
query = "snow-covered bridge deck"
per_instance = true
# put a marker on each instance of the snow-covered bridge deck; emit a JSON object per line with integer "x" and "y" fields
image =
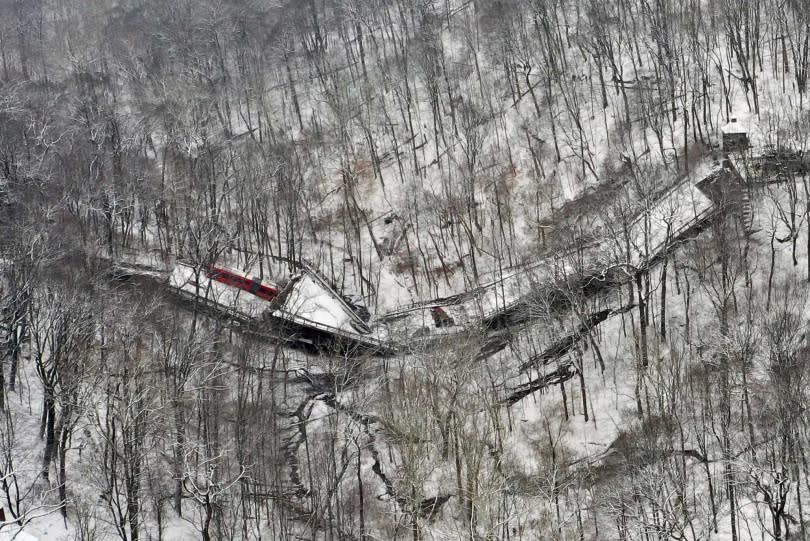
{"x": 656, "y": 230}
{"x": 307, "y": 305}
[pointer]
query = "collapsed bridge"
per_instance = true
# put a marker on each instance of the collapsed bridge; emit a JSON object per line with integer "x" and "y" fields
{"x": 307, "y": 309}
{"x": 621, "y": 252}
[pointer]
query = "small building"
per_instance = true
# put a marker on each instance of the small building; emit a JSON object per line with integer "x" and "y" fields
{"x": 735, "y": 137}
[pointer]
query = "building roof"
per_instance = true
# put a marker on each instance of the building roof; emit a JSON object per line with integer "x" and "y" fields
{"x": 734, "y": 127}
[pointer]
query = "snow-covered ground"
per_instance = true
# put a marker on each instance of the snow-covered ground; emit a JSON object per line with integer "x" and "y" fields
{"x": 421, "y": 181}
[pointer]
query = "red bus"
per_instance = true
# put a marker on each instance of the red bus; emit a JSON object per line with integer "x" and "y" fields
{"x": 251, "y": 285}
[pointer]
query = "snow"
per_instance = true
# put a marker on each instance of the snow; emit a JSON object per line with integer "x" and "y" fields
{"x": 309, "y": 300}
{"x": 418, "y": 323}
{"x": 182, "y": 278}
{"x": 733, "y": 127}
{"x": 611, "y": 395}
{"x": 666, "y": 220}
{"x": 395, "y": 291}
{"x": 499, "y": 295}
{"x": 15, "y": 534}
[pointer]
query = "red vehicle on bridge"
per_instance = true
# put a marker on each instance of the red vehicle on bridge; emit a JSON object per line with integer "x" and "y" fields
{"x": 252, "y": 285}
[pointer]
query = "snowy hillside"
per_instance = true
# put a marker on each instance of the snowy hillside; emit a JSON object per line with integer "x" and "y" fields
{"x": 404, "y": 269}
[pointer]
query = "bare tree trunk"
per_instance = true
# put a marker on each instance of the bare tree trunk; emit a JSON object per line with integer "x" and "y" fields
{"x": 664, "y": 299}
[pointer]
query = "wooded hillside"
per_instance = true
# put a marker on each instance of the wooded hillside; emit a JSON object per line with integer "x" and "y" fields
{"x": 566, "y": 309}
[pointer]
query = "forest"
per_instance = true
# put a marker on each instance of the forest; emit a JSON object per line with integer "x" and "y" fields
{"x": 346, "y": 270}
